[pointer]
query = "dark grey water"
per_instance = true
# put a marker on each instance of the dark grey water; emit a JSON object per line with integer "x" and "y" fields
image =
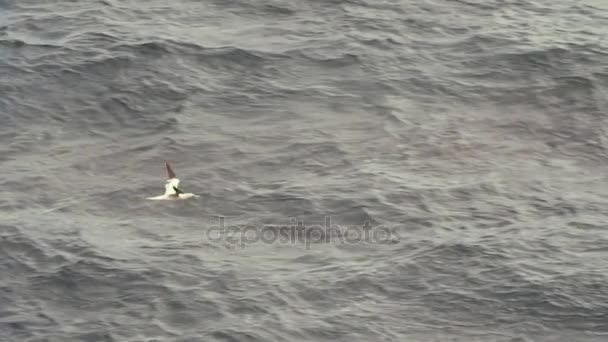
{"x": 463, "y": 142}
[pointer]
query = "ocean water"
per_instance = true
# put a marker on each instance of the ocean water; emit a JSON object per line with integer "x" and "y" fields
{"x": 368, "y": 170}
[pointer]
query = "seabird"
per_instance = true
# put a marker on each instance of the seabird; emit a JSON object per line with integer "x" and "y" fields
{"x": 172, "y": 190}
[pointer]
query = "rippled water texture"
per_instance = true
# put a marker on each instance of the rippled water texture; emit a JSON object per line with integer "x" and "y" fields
{"x": 456, "y": 149}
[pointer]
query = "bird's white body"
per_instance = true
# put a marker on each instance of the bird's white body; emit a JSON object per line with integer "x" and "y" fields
{"x": 172, "y": 191}
{"x": 173, "y": 197}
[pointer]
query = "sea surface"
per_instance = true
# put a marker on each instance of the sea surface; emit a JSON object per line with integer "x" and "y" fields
{"x": 390, "y": 170}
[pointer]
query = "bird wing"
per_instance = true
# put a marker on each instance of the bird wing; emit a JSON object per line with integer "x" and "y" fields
{"x": 170, "y": 173}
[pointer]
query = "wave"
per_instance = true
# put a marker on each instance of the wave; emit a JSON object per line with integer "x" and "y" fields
{"x": 498, "y": 289}
{"x": 174, "y": 47}
{"x": 19, "y": 43}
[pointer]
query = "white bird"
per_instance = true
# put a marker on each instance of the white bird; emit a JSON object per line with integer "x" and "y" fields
{"x": 172, "y": 190}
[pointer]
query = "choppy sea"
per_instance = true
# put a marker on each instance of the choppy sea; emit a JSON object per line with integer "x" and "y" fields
{"x": 390, "y": 170}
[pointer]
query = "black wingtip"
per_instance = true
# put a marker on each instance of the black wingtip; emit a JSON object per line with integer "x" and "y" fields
{"x": 170, "y": 173}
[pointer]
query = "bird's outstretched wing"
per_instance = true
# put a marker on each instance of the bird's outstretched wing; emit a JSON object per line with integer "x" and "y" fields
{"x": 170, "y": 173}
